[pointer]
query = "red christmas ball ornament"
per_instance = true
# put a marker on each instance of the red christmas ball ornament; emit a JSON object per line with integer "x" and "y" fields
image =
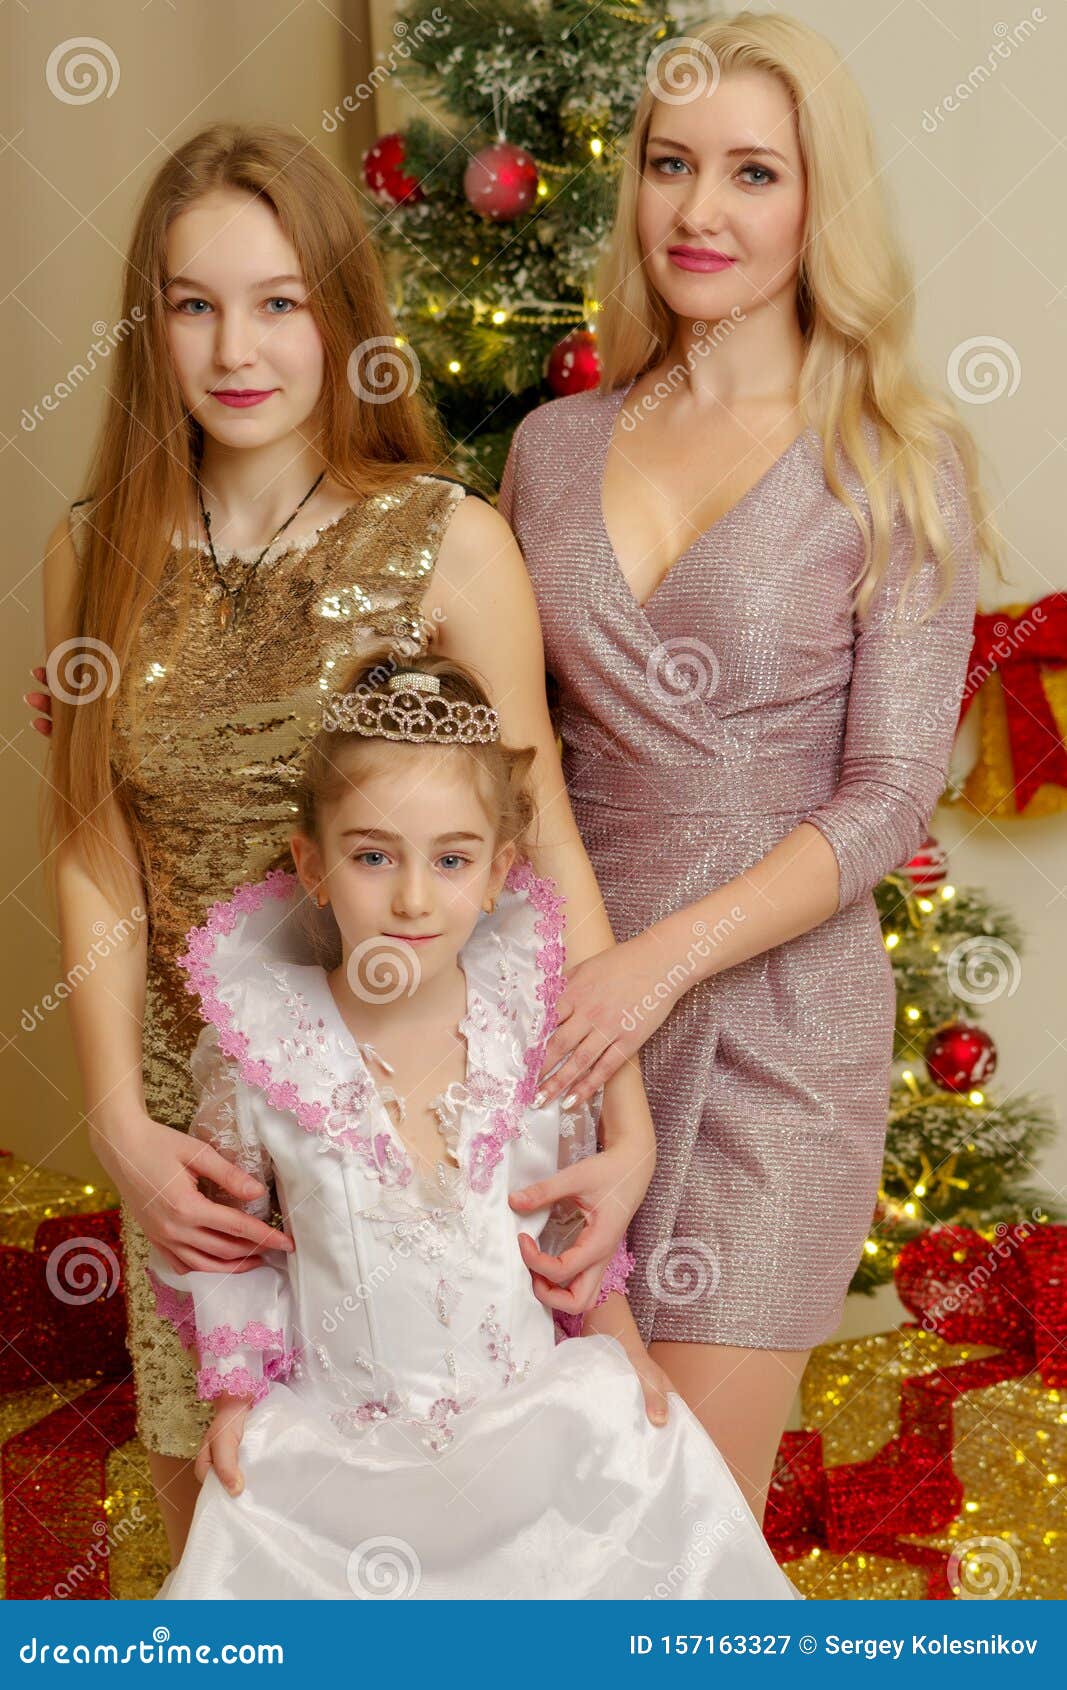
{"x": 384, "y": 174}
{"x": 572, "y": 365}
{"x": 501, "y": 181}
{"x": 928, "y": 869}
{"x": 959, "y": 1057}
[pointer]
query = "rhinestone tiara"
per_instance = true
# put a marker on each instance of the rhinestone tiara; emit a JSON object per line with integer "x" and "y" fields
{"x": 411, "y": 708}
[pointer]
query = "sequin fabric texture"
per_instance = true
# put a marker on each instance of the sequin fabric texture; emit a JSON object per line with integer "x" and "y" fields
{"x": 209, "y": 745}
{"x": 698, "y": 730}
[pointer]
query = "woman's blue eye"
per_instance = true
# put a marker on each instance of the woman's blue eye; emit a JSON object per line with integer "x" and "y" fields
{"x": 360, "y": 855}
{"x": 280, "y": 300}
{"x": 182, "y": 303}
{"x": 668, "y": 158}
{"x": 455, "y": 856}
{"x": 769, "y": 174}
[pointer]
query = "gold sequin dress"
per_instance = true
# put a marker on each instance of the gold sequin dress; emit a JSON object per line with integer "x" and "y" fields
{"x": 209, "y": 746}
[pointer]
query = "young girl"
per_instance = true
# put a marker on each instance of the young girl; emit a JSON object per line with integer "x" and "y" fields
{"x": 395, "y": 1415}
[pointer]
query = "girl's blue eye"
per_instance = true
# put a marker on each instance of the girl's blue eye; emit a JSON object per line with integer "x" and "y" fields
{"x": 455, "y": 856}
{"x": 182, "y": 303}
{"x": 361, "y": 854}
{"x": 281, "y": 300}
{"x": 668, "y": 158}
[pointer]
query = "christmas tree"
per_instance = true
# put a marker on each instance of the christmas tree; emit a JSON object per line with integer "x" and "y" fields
{"x": 953, "y": 1154}
{"x": 496, "y": 227}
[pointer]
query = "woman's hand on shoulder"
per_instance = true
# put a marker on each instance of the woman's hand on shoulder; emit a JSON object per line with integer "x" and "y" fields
{"x": 157, "y": 1169}
{"x": 611, "y": 1004}
{"x": 221, "y": 1442}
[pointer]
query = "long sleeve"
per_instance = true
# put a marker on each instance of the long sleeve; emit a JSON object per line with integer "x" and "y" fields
{"x": 903, "y": 707}
{"x": 239, "y": 1323}
{"x": 578, "y": 1139}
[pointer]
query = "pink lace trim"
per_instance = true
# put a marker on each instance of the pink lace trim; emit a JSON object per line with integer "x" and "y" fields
{"x": 615, "y": 1277}
{"x": 178, "y": 1307}
{"x": 486, "y": 1148}
{"x": 239, "y": 1382}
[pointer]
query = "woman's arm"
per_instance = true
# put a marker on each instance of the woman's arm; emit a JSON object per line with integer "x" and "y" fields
{"x": 483, "y": 602}
{"x": 903, "y": 707}
{"x": 154, "y": 1166}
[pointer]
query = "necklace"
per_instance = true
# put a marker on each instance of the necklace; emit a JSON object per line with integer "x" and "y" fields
{"x": 231, "y": 600}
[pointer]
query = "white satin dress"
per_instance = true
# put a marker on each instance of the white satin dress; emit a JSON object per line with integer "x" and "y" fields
{"x": 419, "y": 1428}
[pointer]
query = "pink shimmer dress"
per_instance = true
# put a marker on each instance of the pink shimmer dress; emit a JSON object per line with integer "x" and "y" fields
{"x": 697, "y": 731}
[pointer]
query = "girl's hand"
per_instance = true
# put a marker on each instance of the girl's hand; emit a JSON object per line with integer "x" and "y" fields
{"x": 156, "y": 1169}
{"x": 221, "y": 1442}
{"x": 615, "y": 1317}
{"x": 40, "y": 701}
{"x": 608, "y": 1189}
{"x": 611, "y": 1004}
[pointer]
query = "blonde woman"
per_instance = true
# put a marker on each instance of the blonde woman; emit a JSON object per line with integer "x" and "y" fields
{"x": 755, "y": 552}
{"x": 259, "y": 511}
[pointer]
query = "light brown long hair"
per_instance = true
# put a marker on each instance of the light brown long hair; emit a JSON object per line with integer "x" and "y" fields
{"x": 148, "y": 445}
{"x": 854, "y": 289}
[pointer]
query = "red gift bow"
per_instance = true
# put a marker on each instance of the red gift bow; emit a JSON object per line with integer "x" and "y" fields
{"x": 967, "y": 1289}
{"x": 1017, "y": 647}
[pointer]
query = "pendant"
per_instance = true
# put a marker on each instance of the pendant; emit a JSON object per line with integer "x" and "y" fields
{"x": 229, "y": 610}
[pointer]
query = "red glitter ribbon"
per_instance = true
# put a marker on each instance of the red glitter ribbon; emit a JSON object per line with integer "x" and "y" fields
{"x": 62, "y": 1316}
{"x": 1017, "y": 648}
{"x": 966, "y": 1289}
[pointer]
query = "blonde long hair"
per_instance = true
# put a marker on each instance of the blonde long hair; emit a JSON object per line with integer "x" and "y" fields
{"x": 855, "y": 297}
{"x": 148, "y": 446}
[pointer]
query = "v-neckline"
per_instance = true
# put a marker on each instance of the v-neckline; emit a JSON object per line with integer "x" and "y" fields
{"x": 642, "y": 608}
{"x": 348, "y": 1041}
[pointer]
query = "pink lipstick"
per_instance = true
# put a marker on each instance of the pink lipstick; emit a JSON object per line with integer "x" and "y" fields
{"x": 242, "y": 396}
{"x": 698, "y": 258}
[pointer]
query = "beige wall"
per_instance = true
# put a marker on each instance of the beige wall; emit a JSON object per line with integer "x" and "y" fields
{"x": 980, "y": 199}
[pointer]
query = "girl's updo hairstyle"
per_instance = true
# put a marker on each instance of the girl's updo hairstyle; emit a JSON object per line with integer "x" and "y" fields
{"x": 338, "y": 759}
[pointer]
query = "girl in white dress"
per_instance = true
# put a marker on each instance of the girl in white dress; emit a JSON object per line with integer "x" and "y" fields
{"x": 397, "y": 1412}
